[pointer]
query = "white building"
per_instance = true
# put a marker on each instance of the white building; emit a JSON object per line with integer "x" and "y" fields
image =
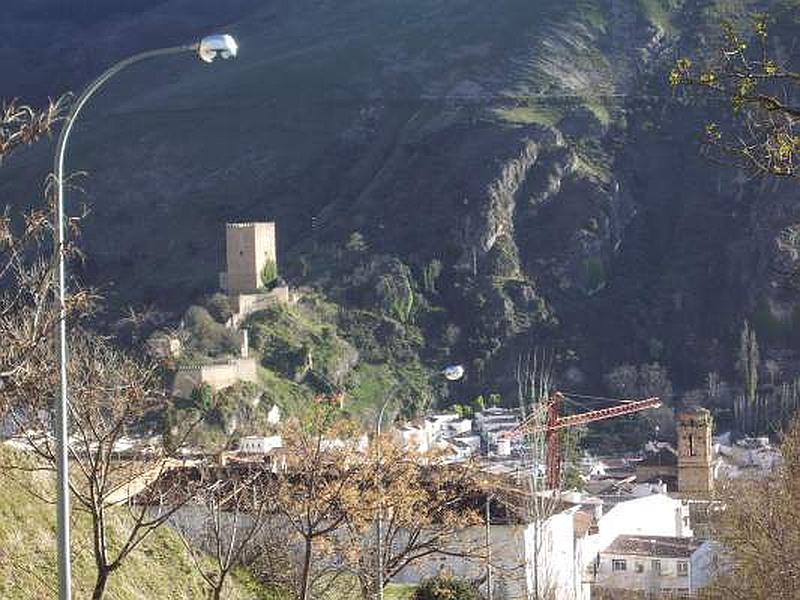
{"x": 414, "y": 438}
{"x": 259, "y": 444}
{"x": 748, "y": 457}
{"x": 575, "y": 537}
{"x": 274, "y": 415}
{"x": 493, "y": 421}
{"x": 468, "y": 439}
{"x": 657, "y": 514}
{"x": 447, "y": 432}
{"x": 457, "y": 427}
{"x": 435, "y": 425}
{"x": 559, "y": 555}
{"x": 360, "y": 444}
{"x": 654, "y": 564}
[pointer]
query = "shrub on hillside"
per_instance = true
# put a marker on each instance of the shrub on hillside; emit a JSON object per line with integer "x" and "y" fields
{"x": 203, "y": 397}
{"x": 207, "y": 336}
{"x": 446, "y": 588}
{"x": 219, "y": 307}
{"x": 269, "y": 274}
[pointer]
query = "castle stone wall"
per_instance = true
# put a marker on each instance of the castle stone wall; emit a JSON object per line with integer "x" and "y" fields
{"x": 218, "y": 376}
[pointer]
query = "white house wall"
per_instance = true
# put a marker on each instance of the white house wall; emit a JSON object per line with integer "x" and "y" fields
{"x": 648, "y": 579}
{"x": 553, "y": 563}
{"x": 705, "y": 563}
{"x": 657, "y": 515}
{"x": 508, "y": 560}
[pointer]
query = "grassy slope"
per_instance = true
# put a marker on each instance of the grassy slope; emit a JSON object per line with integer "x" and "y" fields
{"x": 159, "y": 569}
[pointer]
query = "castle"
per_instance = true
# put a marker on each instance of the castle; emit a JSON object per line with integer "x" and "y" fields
{"x": 251, "y": 283}
{"x": 251, "y": 280}
{"x": 249, "y": 251}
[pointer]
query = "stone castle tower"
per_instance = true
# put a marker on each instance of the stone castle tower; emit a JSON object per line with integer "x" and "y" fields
{"x": 695, "y": 459}
{"x": 249, "y": 246}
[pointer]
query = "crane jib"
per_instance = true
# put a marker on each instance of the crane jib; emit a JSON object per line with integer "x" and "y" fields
{"x": 588, "y": 417}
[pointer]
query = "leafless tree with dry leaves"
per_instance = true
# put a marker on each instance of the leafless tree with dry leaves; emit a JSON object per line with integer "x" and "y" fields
{"x": 112, "y": 395}
{"x": 224, "y": 519}
{"x": 430, "y": 510}
{"x": 756, "y": 525}
{"x": 22, "y": 125}
{"x": 115, "y": 411}
{"x": 28, "y": 260}
{"x": 312, "y": 498}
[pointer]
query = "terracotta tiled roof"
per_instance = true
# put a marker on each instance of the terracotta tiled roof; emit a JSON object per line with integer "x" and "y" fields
{"x": 647, "y": 545}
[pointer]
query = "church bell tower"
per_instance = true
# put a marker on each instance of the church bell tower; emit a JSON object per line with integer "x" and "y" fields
{"x": 695, "y": 459}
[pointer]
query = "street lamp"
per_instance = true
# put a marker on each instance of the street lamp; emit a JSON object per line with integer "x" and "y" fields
{"x": 207, "y": 49}
{"x": 451, "y": 373}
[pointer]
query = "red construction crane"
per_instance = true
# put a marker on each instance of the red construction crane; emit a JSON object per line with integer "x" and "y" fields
{"x": 555, "y": 422}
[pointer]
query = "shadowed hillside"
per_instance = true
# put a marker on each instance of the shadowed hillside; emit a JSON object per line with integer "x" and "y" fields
{"x": 529, "y": 149}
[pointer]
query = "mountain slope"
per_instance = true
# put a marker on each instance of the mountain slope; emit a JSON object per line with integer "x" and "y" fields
{"x": 531, "y": 149}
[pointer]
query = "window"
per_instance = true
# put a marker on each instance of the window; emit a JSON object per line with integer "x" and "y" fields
{"x": 683, "y": 568}
{"x": 618, "y": 564}
{"x": 639, "y": 567}
{"x": 655, "y": 566}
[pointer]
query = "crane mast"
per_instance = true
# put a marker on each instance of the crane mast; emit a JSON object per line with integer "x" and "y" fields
{"x": 556, "y": 422}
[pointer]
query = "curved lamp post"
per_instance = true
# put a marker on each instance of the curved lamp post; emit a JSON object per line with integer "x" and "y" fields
{"x": 207, "y": 49}
{"x": 451, "y": 373}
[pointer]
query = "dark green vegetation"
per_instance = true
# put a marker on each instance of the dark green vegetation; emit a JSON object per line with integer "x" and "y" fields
{"x": 464, "y": 180}
{"x": 307, "y": 351}
{"x": 446, "y": 588}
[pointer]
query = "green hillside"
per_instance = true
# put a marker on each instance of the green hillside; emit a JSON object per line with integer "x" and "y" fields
{"x": 315, "y": 348}
{"x": 160, "y": 568}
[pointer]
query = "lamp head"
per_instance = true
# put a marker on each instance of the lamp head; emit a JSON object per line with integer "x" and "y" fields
{"x": 213, "y": 46}
{"x": 453, "y": 372}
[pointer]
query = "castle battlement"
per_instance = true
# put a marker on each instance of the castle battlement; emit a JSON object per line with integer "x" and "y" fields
{"x": 249, "y": 224}
{"x": 199, "y": 367}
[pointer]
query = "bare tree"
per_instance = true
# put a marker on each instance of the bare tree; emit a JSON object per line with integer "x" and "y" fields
{"x": 111, "y": 395}
{"x": 231, "y": 504}
{"x": 534, "y": 376}
{"x": 113, "y": 455}
{"x": 757, "y": 526}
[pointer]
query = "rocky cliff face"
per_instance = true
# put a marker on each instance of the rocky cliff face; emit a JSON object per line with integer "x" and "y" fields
{"x": 532, "y": 148}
